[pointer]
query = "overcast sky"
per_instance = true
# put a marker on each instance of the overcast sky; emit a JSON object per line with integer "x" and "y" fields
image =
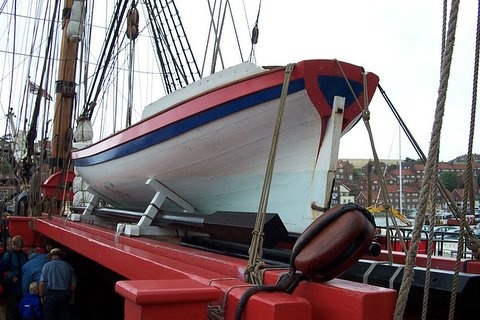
{"x": 399, "y": 40}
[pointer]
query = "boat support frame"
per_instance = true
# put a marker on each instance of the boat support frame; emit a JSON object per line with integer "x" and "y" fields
{"x": 144, "y": 225}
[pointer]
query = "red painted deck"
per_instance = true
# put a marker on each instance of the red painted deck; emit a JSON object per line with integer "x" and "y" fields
{"x": 178, "y": 281}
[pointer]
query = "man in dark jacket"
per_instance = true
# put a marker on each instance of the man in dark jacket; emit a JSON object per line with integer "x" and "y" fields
{"x": 11, "y": 269}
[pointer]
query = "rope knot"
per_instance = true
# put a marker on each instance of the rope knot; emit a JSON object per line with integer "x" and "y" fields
{"x": 366, "y": 114}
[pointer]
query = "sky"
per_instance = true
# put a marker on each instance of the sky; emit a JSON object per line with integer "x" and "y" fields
{"x": 397, "y": 40}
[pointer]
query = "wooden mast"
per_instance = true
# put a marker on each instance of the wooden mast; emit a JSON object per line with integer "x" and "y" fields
{"x": 64, "y": 94}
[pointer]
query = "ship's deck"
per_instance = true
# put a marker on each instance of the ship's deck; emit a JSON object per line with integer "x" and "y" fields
{"x": 104, "y": 259}
{"x": 116, "y": 273}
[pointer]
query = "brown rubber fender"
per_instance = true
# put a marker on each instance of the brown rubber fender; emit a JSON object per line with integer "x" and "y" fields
{"x": 334, "y": 242}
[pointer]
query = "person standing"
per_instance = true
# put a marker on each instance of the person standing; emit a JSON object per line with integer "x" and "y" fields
{"x": 33, "y": 268}
{"x": 11, "y": 269}
{"x": 57, "y": 283}
{"x": 30, "y": 305}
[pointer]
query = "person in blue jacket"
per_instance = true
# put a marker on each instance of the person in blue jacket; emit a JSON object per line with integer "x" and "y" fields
{"x": 11, "y": 269}
{"x": 31, "y": 305}
{"x": 33, "y": 268}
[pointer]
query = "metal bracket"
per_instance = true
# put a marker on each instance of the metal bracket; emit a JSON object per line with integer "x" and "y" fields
{"x": 88, "y": 212}
{"x": 144, "y": 225}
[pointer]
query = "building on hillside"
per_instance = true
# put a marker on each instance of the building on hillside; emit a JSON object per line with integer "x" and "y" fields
{"x": 404, "y": 200}
{"x": 406, "y": 176}
{"x": 371, "y": 167}
{"x": 344, "y": 171}
{"x": 341, "y": 194}
{"x": 458, "y": 197}
{"x": 362, "y": 198}
{"x": 407, "y": 182}
{"x": 375, "y": 182}
{"x": 459, "y": 169}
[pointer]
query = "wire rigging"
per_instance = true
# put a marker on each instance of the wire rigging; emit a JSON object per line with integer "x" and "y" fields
{"x": 105, "y": 57}
{"x": 255, "y": 33}
{"x": 32, "y": 133}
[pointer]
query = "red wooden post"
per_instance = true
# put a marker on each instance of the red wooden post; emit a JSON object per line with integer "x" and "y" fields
{"x": 179, "y": 299}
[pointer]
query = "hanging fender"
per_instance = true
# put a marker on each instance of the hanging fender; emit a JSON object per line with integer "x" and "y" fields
{"x": 334, "y": 242}
{"x": 75, "y": 25}
{"x": 132, "y": 24}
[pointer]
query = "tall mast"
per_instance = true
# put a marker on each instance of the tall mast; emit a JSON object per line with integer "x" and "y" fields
{"x": 64, "y": 94}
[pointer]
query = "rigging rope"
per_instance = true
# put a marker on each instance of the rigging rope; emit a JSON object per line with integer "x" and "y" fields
{"x": 173, "y": 51}
{"x": 386, "y": 196}
{"x": 13, "y": 54}
{"x": 218, "y": 14}
{"x": 106, "y": 55}
{"x": 218, "y": 36}
{"x": 255, "y": 263}
{"x": 366, "y": 119}
{"x": 431, "y": 165}
{"x": 444, "y": 31}
{"x": 32, "y": 132}
{"x": 468, "y": 178}
{"x": 441, "y": 187}
{"x": 234, "y": 25}
{"x": 255, "y": 32}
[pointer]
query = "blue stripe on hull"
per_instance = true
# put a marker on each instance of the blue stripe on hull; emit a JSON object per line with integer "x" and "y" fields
{"x": 330, "y": 86}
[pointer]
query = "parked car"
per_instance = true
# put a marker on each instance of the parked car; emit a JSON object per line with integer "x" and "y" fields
{"x": 477, "y": 232}
{"x": 446, "y": 232}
